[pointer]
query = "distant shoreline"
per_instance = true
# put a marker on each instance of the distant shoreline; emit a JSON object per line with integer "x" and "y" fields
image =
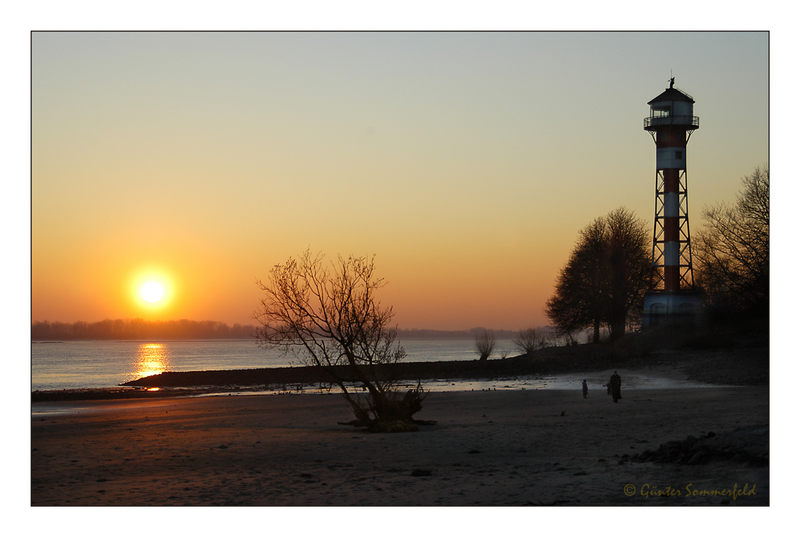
{"x": 189, "y": 382}
{"x": 741, "y": 366}
{"x": 417, "y": 334}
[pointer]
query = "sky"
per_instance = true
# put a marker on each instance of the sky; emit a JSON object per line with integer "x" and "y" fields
{"x": 465, "y": 162}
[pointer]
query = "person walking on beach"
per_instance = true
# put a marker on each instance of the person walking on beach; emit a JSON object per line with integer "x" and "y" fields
{"x": 615, "y": 383}
{"x": 585, "y": 389}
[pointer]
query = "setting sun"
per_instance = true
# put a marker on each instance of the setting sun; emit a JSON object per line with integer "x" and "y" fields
{"x": 152, "y": 289}
{"x": 152, "y": 292}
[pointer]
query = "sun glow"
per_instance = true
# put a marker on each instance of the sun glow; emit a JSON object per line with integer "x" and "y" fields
{"x": 152, "y": 290}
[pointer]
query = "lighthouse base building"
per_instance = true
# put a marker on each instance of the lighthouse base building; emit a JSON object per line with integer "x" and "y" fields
{"x": 673, "y": 307}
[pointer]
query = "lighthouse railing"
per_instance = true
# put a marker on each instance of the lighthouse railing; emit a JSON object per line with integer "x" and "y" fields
{"x": 657, "y": 121}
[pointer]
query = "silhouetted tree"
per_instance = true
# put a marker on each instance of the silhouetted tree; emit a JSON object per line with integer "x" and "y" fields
{"x": 330, "y": 313}
{"x": 605, "y": 277}
{"x": 484, "y": 343}
{"x": 528, "y": 341}
{"x": 731, "y": 253}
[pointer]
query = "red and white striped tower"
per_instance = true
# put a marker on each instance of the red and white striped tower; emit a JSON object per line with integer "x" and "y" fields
{"x": 671, "y": 123}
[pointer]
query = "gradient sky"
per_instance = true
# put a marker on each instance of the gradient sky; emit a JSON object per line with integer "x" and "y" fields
{"x": 466, "y": 162}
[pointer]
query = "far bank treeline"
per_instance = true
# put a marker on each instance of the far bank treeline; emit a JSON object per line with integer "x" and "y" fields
{"x": 188, "y": 329}
{"x": 139, "y": 329}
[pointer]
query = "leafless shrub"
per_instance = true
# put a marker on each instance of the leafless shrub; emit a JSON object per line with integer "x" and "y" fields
{"x": 484, "y": 343}
{"x": 528, "y": 340}
{"x": 330, "y": 315}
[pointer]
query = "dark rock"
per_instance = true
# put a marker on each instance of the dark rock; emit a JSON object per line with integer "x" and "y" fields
{"x": 699, "y": 457}
{"x": 744, "y": 446}
{"x": 395, "y": 426}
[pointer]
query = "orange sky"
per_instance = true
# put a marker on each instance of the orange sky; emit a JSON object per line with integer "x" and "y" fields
{"x": 465, "y": 162}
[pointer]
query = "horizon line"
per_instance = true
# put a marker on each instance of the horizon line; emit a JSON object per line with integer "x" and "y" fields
{"x": 178, "y": 320}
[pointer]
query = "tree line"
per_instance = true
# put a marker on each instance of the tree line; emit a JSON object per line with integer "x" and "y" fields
{"x": 603, "y": 283}
{"x": 139, "y": 329}
{"x": 187, "y": 329}
{"x": 329, "y": 314}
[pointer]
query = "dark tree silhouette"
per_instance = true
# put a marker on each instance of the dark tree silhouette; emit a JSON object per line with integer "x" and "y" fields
{"x": 528, "y": 340}
{"x": 484, "y": 344}
{"x": 605, "y": 277}
{"x": 330, "y": 314}
{"x": 731, "y": 253}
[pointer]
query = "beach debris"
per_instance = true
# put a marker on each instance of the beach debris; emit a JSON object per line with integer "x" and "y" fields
{"x": 748, "y": 446}
{"x": 393, "y": 426}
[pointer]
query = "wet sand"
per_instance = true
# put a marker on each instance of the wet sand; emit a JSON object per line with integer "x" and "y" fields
{"x": 543, "y": 447}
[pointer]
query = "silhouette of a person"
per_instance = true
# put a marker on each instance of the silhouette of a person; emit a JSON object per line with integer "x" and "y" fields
{"x": 615, "y": 383}
{"x": 585, "y": 389}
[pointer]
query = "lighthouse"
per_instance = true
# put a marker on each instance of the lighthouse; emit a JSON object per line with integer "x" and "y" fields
{"x": 671, "y": 123}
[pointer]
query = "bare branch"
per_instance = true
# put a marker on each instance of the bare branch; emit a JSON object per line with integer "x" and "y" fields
{"x": 484, "y": 343}
{"x": 330, "y": 311}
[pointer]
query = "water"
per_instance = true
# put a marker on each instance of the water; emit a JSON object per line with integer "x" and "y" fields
{"x": 102, "y": 364}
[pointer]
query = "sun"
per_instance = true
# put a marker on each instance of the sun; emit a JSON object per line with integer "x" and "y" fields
{"x": 152, "y": 289}
{"x": 152, "y": 292}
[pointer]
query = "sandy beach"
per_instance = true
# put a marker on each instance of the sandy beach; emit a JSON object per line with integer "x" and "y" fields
{"x": 543, "y": 447}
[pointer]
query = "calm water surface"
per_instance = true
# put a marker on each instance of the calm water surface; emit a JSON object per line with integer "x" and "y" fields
{"x": 100, "y": 364}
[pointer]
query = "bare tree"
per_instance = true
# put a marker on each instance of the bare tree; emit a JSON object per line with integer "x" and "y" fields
{"x": 732, "y": 251}
{"x": 527, "y": 341}
{"x": 484, "y": 343}
{"x": 330, "y": 315}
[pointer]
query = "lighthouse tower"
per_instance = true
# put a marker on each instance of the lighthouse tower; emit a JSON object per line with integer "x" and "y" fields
{"x": 671, "y": 124}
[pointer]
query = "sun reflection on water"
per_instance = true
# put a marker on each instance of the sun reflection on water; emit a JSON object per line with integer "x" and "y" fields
{"x": 151, "y": 359}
